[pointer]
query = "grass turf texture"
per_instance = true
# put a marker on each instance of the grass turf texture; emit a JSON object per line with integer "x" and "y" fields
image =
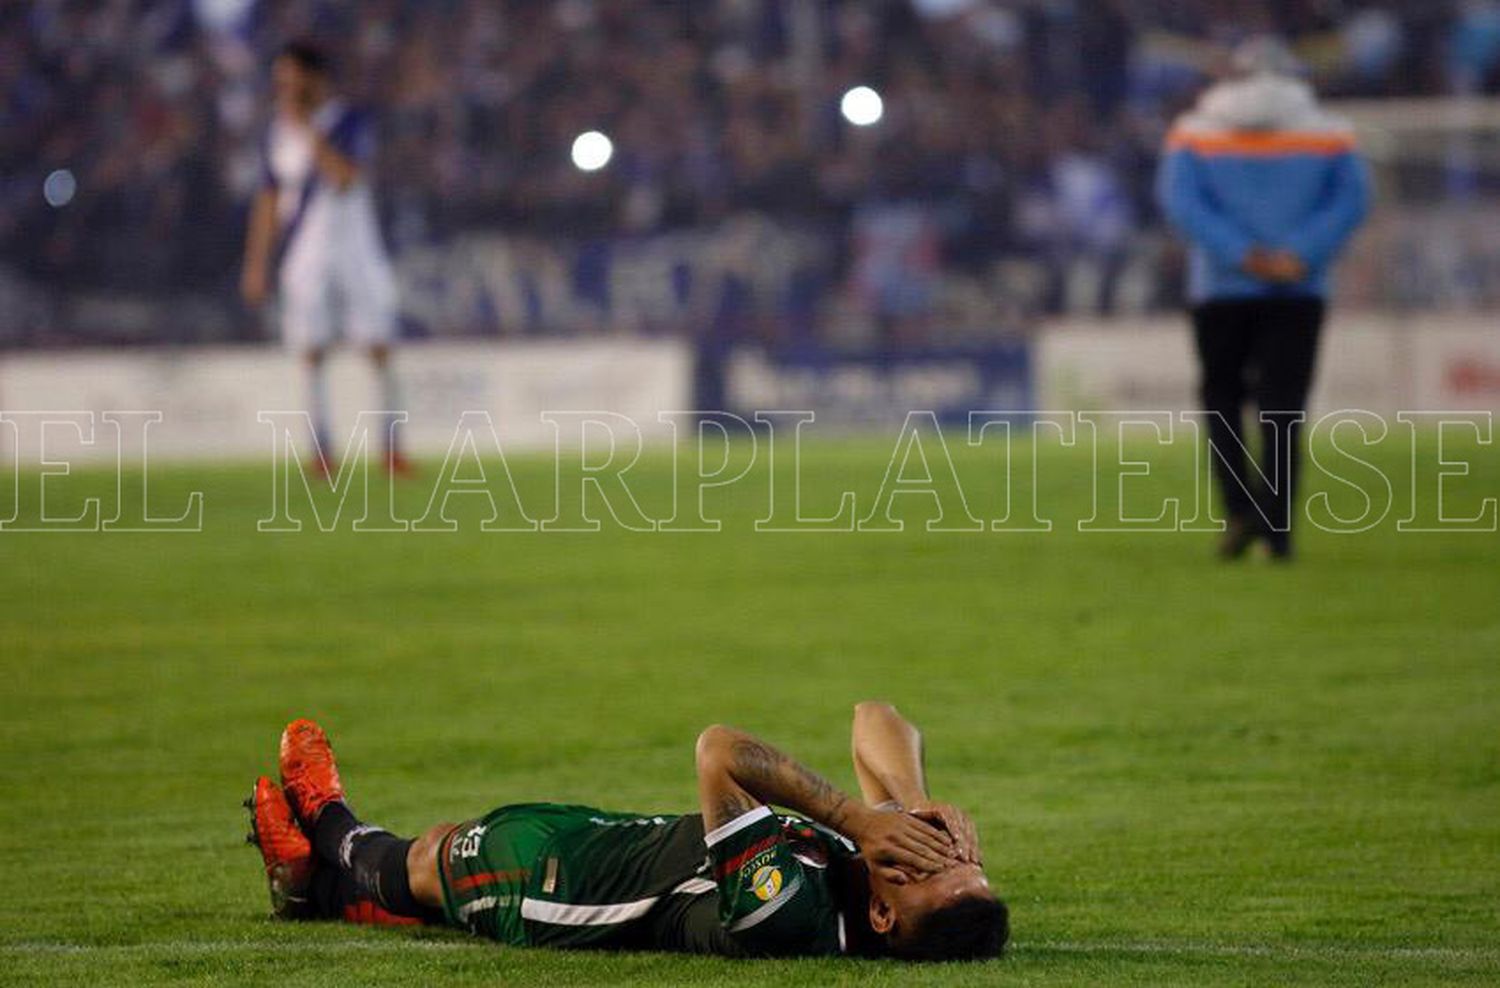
{"x": 1183, "y": 772}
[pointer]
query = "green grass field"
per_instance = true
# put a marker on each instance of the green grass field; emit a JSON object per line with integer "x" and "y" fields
{"x": 1183, "y": 772}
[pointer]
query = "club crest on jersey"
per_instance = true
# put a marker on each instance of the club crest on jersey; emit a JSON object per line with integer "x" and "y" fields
{"x": 766, "y": 882}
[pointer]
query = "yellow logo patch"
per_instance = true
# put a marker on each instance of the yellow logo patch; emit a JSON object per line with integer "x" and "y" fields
{"x": 766, "y": 882}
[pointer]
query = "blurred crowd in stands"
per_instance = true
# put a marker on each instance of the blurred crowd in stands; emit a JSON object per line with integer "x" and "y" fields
{"x": 1018, "y": 135}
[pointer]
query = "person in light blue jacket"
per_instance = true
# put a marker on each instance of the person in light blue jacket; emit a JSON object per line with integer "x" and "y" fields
{"x": 1267, "y": 188}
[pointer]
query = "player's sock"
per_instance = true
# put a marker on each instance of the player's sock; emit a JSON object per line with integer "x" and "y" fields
{"x": 390, "y": 400}
{"x": 335, "y": 895}
{"x": 317, "y": 407}
{"x": 375, "y": 858}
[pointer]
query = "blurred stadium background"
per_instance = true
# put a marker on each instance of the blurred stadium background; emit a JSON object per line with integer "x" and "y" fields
{"x": 991, "y": 240}
{"x": 1185, "y": 772}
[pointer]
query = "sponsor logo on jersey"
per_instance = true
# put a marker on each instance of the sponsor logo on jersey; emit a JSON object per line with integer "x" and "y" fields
{"x": 766, "y": 882}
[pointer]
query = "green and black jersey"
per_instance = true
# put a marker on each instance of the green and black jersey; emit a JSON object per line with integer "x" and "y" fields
{"x": 543, "y": 874}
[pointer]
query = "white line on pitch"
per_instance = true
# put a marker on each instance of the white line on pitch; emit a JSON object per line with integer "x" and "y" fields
{"x": 1326, "y": 951}
{"x": 229, "y": 946}
{"x": 1164, "y": 948}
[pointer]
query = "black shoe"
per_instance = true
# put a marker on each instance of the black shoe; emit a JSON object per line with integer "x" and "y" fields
{"x": 1280, "y": 545}
{"x": 1239, "y": 535}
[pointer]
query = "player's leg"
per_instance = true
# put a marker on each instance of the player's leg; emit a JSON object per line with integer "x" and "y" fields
{"x": 1286, "y": 349}
{"x": 371, "y": 314}
{"x": 1223, "y": 337}
{"x": 302, "y": 888}
{"x": 374, "y": 859}
{"x": 399, "y": 875}
{"x": 336, "y": 896}
{"x": 307, "y": 331}
{"x": 390, "y": 400}
{"x": 422, "y": 866}
{"x": 314, "y": 360}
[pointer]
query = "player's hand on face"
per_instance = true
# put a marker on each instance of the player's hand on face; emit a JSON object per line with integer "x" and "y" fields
{"x": 902, "y": 842}
{"x": 958, "y": 825}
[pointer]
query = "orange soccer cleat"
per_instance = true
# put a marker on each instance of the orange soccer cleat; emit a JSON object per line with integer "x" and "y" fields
{"x": 398, "y": 465}
{"x": 308, "y": 771}
{"x": 284, "y": 848}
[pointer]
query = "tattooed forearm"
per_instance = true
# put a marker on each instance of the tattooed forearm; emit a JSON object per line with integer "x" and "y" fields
{"x": 833, "y": 805}
{"x": 774, "y": 777}
{"x": 737, "y": 772}
{"x": 754, "y": 759}
{"x": 729, "y": 806}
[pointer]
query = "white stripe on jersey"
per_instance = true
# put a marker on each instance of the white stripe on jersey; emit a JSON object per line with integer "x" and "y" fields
{"x": 734, "y": 826}
{"x": 478, "y": 905}
{"x": 604, "y": 914}
{"x": 564, "y": 914}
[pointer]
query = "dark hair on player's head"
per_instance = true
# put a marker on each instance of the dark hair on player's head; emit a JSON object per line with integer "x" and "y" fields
{"x": 308, "y": 56}
{"x": 971, "y": 929}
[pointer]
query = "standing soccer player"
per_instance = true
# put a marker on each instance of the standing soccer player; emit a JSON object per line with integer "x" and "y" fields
{"x": 316, "y": 205}
{"x": 1268, "y": 188}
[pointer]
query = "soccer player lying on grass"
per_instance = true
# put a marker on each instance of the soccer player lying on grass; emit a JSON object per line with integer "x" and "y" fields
{"x": 895, "y": 875}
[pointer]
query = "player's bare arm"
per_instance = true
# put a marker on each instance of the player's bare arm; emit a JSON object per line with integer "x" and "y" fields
{"x": 260, "y": 237}
{"x": 738, "y": 772}
{"x": 890, "y": 766}
{"x": 887, "y": 751}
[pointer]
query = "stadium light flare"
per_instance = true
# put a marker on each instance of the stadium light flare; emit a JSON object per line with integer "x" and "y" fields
{"x": 592, "y": 151}
{"x": 862, "y": 106}
{"x": 59, "y": 188}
